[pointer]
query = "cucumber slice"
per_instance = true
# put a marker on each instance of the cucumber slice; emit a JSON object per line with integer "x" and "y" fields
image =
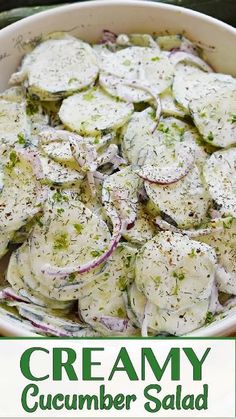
{"x": 177, "y": 43}
{"x": 137, "y": 39}
{"x": 103, "y": 298}
{"x": 55, "y": 320}
{"x": 57, "y": 68}
{"x": 102, "y": 50}
{"x": 58, "y": 151}
{"x": 22, "y": 280}
{"x": 13, "y": 94}
{"x": 142, "y": 230}
{"x": 28, "y": 116}
{"x": 55, "y": 144}
{"x": 169, "y": 42}
{"x": 165, "y": 321}
{"x": 220, "y": 175}
{"x": 175, "y": 272}
{"x": 191, "y": 83}
{"x": 138, "y": 133}
{"x": 91, "y": 112}
{"x": 186, "y": 202}
{"x": 39, "y": 119}
{"x": 172, "y": 131}
{"x": 19, "y": 199}
{"x": 94, "y": 203}
{"x": 71, "y": 230}
{"x": 141, "y": 66}
{"x": 104, "y": 295}
{"x": 60, "y": 174}
{"x": 11, "y": 315}
{"x": 180, "y": 322}
{"x": 52, "y": 322}
{"x": 169, "y": 107}
{"x": 165, "y": 165}
{"x": 186, "y": 84}
{"x": 137, "y": 302}
{"x": 224, "y": 243}
{"x": 215, "y": 114}
{"x": 14, "y": 122}
{"x": 120, "y": 192}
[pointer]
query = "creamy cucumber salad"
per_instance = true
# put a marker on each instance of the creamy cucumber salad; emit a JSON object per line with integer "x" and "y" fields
{"x": 117, "y": 188}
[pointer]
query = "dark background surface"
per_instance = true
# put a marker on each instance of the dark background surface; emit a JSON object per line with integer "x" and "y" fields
{"x": 221, "y": 9}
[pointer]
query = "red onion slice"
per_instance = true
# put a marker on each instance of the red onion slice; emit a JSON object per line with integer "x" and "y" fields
{"x": 164, "y": 225}
{"x": 49, "y": 330}
{"x": 114, "y": 323}
{"x": 9, "y": 294}
{"x": 108, "y": 37}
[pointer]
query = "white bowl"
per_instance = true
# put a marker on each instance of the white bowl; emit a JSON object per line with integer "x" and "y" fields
{"x": 87, "y": 20}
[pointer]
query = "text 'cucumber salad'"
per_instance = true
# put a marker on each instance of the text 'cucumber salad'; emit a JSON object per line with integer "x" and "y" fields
{"x": 117, "y": 188}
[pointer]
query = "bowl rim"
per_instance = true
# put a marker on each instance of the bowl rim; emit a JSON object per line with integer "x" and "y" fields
{"x": 220, "y": 327}
{"x": 117, "y": 3}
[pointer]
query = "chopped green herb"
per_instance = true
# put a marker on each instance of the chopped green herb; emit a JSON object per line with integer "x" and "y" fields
{"x": 88, "y": 96}
{"x": 178, "y": 275}
{"x": 32, "y": 108}
{"x": 192, "y": 254}
{"x": 157, "y": 279}
{"x": 128, "y": 261}
{"x": 122, "y": 283}
{"x": 95, "y": 117}
{"x": 176, "y": 289}
{"x": 210, "y": 317}
{"x": 72, "y": 80}
{"x": 210, "y": 136}
{"x": 181, "y": 130}
{"x": 233, "y": 119}
{"x": 120, "y": 313}
{"x": 72, "y": 277}
{"x": 38, "y": 220}
{"x": 152, "y": 114}
{"x": 13, "y": 159}
{"x": 127, "y": 62}
{"x": 58, "y": 197}
{"x": 202, "y": 114}
{"x": 155, "y": 59}
{"x": 78, "y": 228}
{"x": 96, "y": 253}
{"x": 61, "y": 241}
{"x": 161, "y": 127}
{"x": 21, "y": 139}
{"x": 60, "y": 210}
{"x": 227, "y": 223}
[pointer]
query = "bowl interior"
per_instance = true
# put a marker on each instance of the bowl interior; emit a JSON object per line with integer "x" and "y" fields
{"x": 87, "y": 20}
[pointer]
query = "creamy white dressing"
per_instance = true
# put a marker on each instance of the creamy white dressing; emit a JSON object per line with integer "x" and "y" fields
{"x": 110, "y": 192}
